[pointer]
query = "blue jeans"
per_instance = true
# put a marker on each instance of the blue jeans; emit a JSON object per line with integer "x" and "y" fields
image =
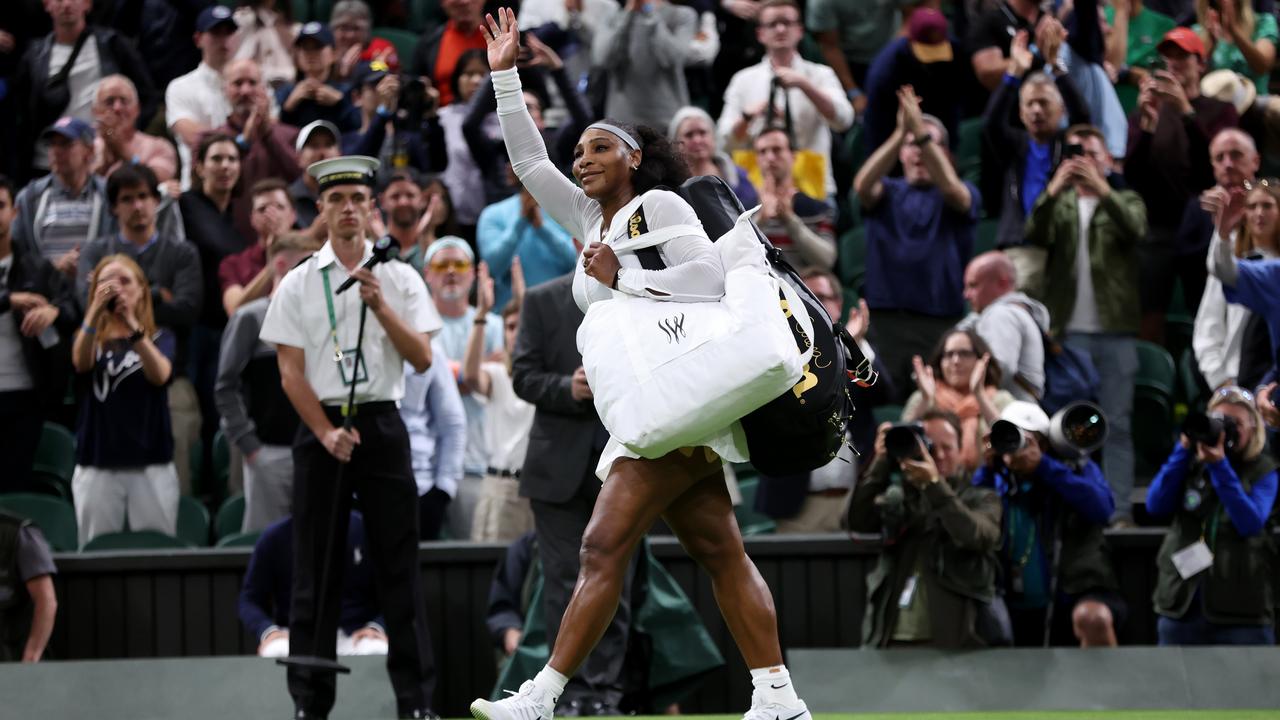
{"x": 1116, "y": 358}
{"x": 1193, "y": 629}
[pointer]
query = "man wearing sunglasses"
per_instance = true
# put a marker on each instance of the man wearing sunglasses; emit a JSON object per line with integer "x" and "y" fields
{"x": 449, "y": 268}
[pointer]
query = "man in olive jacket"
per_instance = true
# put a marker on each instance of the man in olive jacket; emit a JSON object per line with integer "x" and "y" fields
{"x": 936, "y": 575}
{"x": 1099, "y": 310}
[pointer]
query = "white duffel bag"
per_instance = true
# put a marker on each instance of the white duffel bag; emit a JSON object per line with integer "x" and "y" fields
{"x": 669, "y": 374}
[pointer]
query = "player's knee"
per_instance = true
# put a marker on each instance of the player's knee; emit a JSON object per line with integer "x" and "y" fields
{"x": 602, "y": 550}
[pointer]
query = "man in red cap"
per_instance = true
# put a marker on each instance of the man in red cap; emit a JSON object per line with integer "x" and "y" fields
{"x": 1168, "y": 163}
{"x": 925, "y": 59}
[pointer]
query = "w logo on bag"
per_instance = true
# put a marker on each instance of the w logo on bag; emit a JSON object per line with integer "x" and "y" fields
{"x": 673, "y": 328}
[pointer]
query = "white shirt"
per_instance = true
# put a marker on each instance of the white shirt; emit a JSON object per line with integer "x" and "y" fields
{"x": 82, "y": 85}
{"x": 298, "y": 316}
{"x": 750, "y": 87}
{"x": 1084, "y": 315}
{"x": 508, "y": 419}
{"x": 195, "y": 96}
{"x": 1219, "y": 330}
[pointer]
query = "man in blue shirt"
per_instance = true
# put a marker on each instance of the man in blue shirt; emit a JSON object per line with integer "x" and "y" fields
{"x": 920, "y": 232}
{"x": 437, "y": 424}
{"x": 518, "y": 228}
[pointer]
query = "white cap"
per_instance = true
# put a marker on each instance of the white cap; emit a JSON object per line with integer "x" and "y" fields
{"x": 306, "y": 132}
{"x": 348, "y": 169}
{"x": 1026, "y": 415}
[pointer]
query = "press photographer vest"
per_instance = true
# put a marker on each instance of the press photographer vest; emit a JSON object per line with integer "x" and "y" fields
{"x": 14, "y": 620}
{"x": 1238, "y": 588}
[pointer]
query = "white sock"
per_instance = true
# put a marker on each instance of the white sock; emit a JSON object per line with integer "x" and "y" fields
{"x": 550, "y": 682}
{"x": 774, "y": 686}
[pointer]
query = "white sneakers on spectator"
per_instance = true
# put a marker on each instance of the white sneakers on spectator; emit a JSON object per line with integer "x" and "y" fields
{"x": 531, "y": 703}
{"x": 761, "y": 710}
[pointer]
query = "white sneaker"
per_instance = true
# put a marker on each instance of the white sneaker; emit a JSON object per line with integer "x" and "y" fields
{"x": 774, "y": 711}
{"x": 531, "y": 703}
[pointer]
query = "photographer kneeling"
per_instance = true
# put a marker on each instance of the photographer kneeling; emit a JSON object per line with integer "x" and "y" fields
{"x": 1055, "y": 574}
{"x": 935, "y": 579}
{"x": 1215, "y": 583}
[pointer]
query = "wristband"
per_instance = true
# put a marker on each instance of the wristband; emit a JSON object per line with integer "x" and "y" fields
{"x": 88, "y": 329}
{"x": 135, "y": 336}
{"x": 382, "y": 111}
{"x": 480, "y": 321}
{"x": 924, "y": 139}
{"x": 854, "y": 93}
{"x": 242, "y": 142}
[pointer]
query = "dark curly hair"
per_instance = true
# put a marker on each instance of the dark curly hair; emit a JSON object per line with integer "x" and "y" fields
{"x": 980, "y": 348}
{"x": 660, "y": 162}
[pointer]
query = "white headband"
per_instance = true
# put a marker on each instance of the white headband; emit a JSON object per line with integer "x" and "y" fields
{"x": 623, "y": 135}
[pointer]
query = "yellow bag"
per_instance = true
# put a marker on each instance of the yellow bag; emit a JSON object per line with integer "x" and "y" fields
{"x": 809, "y": 171}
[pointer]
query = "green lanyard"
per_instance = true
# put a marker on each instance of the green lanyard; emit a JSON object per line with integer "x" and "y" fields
{"x": 333, "y": 320}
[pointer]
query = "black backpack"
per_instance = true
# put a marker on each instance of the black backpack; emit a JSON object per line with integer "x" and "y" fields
{"x": 802, "y": 429}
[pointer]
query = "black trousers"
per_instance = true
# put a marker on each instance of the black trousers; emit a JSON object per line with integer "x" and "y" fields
{"x": 559, "y": 528}
{"x": 381, "y": 477}
{"x": 20, "y": 428}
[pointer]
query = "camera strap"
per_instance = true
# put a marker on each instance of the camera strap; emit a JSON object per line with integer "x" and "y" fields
{"x": 65, "y": 72}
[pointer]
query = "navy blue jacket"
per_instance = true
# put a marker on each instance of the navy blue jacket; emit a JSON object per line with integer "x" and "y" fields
{"x": 267, "y": 593}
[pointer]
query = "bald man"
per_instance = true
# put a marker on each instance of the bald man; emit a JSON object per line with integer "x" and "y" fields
{"x": 1009, "y": 321}
{"x": 266, "y": 146}
{"x": 1235, "y": 161}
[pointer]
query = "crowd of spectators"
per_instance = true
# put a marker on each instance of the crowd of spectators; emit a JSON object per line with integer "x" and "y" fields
{"x": 153, "y": 194}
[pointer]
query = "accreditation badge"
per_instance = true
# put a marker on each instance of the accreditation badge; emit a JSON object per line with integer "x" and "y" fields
{"x": 349, "y": 367}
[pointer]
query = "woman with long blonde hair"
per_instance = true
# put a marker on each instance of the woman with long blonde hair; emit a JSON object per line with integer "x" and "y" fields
{"x": 124, "y": 448}
{"x": 1252, "y": 226}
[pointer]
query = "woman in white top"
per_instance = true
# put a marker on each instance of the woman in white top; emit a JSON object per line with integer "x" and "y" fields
{"x": 618, "y": 168}
{"x": 1253, "y": 229}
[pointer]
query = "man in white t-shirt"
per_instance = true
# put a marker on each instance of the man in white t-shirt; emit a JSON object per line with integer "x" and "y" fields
{"x": 93, "y": 53}
{"x": 195, "y": 103}
{"x": 1092, "y": 232}
{"x": 811, "y": 101}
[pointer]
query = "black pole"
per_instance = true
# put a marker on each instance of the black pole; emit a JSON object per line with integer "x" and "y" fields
{"x": 314, "y": 661}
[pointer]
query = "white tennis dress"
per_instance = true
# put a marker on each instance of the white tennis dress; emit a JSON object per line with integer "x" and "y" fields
{"x": 693, "y": 270}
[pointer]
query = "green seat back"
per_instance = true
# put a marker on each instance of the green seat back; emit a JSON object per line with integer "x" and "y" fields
{"x": 887, "y": 414}
{"x": 221, "y": 467}
{"x": 55, "y": 517}
{"x": 751, "y": 522}
{"x": 852, "y": 261}
{"x": 1152, "y": 427}
{"x": 985, "y": 238}
{"x": 406, "y": 42}
{"x": 240, "y": 539}
{"x": 1155, "y": 368}
{"x": 230, "y": 517}
{"x": 56, "y": 453}
{"x": 193, "y": 521}
{"x": 969, "y": 150}
{"x": 1191, "y": 385}
{"x": 135, "y": 540}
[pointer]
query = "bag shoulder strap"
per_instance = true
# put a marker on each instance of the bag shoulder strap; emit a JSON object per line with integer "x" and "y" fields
{"x": 65, "y": 71}
{"x": 1050, "y": 346}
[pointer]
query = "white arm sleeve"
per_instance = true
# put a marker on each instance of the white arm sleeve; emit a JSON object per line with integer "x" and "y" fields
{"x": 694, "y": 272}
{"x": 1221, "y": 262}
{"x": 554, "y": 192}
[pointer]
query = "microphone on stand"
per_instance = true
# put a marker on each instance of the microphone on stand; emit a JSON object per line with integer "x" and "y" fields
{"x": 385, "y": 249}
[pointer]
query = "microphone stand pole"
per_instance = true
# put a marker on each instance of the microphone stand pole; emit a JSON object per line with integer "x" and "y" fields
{"x": 313, "y": 661}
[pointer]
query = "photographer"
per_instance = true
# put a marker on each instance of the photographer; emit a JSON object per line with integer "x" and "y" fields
{"x": 1215, "y": 564}
{"x": 936, "y": 576}
{"x": 1056, "y": 577}
{"x": 412, "y": 138}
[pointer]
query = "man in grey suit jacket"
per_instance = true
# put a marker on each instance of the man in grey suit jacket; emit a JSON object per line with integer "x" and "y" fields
{"x": 559, "y": 477}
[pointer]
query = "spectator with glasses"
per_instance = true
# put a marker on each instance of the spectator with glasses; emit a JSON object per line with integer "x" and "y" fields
{"x": 451, "y": 273}
{"x": 961, "y": 379}
{"x": 1215, "y": 565}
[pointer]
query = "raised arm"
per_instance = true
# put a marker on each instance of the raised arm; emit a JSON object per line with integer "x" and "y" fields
{"x": 529, "y": 160}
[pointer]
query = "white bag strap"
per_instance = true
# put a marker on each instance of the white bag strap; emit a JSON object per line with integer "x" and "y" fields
{"x": 657, "y": 237}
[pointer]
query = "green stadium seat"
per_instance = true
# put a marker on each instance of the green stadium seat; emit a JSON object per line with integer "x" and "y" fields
{"x": 1156, "y": 368}
{"x": 887, "y": 414}
{"x": 230, "y": 517}
{"x": 969, "y": 150}
{"x": 221, "y": 466}
{"x": 56, "y": 453}
{"x": 1178, "y": 330}
{"x": 852, "y": 260}
{"x": 248, "y": 539}
{"x": 1191, "y": 386}
{"x": 193, "y": 521}
{"x": 134, "y": 540}
{"x": 985, "y": 239}
{"x": 55, "y": 517}
{"x": 751, "y": 522}
{"x": 406, "y": 42}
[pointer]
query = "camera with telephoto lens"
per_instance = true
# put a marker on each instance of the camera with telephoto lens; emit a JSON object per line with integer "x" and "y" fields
{"x": 1205, "y": 429}
{"x": 414, "y": 104}
{"x": 1007, "y": 438}
{"x": 903, "y": 440}
{"x": 1075, "y": 431}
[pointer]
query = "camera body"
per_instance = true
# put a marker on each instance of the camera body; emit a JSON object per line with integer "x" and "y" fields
{"x": 1071, "y": 150}
{"x": 1007, "y": 438}
{"x": 903, "y": 440}
{"x": 414, "y": 104}
{"x": 1204, "y": 429}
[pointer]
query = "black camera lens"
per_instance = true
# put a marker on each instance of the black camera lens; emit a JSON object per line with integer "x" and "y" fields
{"x": 1083, "y": 426}
{"x": 902, "y": 441}
{"x": 1006, "y": 437}
{"x": 1205, "y": 429}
